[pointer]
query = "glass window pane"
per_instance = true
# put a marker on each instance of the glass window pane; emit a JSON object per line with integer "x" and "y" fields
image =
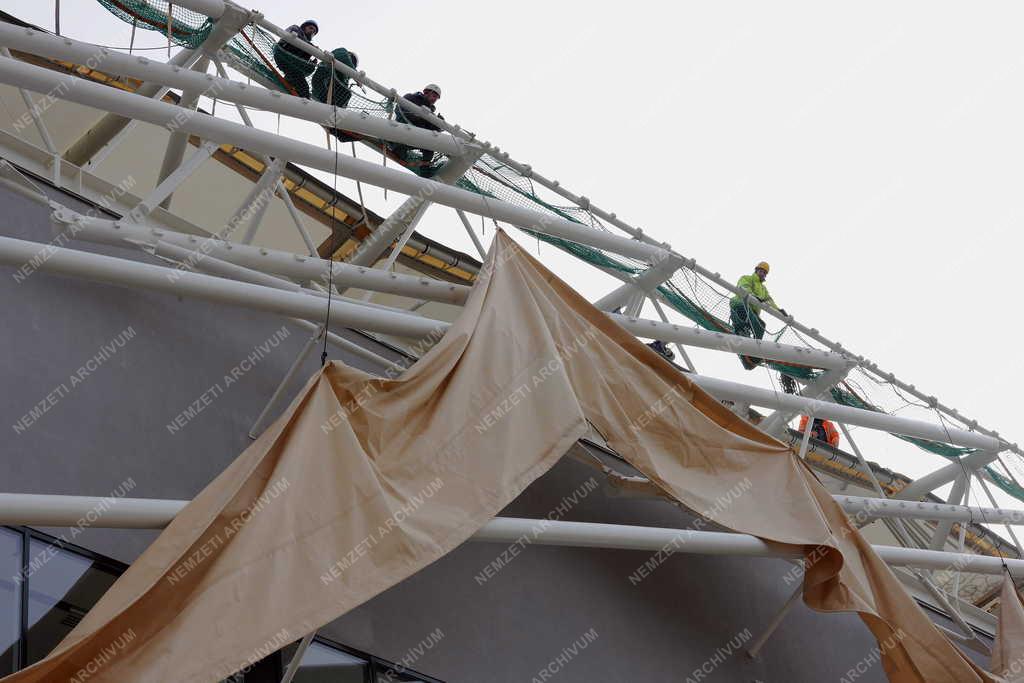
{"x": 10, "y": 599}
{"x": 323, "y": 664}
{"x": 62, "y": 587}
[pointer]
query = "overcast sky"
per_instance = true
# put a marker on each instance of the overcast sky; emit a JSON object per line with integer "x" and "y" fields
{"x": 871, "y": 152}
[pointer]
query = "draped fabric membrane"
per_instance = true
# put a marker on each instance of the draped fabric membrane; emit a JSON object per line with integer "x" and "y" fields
{"x": 1008, "y": 651}
{"x": 364, "y": 481}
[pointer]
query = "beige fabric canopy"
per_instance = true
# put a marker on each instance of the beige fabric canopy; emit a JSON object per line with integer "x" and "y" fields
{"x": 1008, "y": 651}
{"x": 364, "y": 481}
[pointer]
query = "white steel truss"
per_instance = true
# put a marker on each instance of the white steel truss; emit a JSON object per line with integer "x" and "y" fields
{"x": 236, "y": 273}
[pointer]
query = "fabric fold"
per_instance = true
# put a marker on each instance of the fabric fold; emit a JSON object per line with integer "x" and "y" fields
{"x": 1008, "y": 650}
{"x": 364, "y": 481}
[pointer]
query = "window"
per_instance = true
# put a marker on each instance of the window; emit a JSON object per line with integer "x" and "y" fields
{"x": 10, "y": 599}
{"x": 52, "y": 585}
{"x": 323, "y": 664}
{"x": 62, "y": 587}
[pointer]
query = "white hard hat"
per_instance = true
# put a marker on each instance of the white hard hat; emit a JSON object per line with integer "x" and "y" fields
{"x": 434, "y": 87}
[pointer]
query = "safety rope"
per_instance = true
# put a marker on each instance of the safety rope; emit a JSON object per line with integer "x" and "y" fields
{"x": 334, "y": 219}
{"x": 131, "y": 42}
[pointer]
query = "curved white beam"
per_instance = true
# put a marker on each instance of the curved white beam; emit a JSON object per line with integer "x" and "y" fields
{"x": 734, "y": 391}
{"x": 139, "y": 513}
{"x": 211, "y": 8}
{"x": 691, "y": 336}
{"x": 174, "y": 118}
{"x": 152, "y": 513}
{"x": 141, "y": 67}
{"x": 302, "y": 267}
{"x": 48, "y": 258}
{"x": 876, "y": 508}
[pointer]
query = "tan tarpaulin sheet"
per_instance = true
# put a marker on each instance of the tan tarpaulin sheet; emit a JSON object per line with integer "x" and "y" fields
{"x": 362, "y": 482}
{"x": 1008, "y": 651}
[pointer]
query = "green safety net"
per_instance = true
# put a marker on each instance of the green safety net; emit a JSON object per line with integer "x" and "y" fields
{"x": 187, "y": 28}
{"x": 252, "y": 51}
{"x": 1006, "y": 481}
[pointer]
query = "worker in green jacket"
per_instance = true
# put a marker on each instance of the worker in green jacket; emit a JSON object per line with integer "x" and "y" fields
{"x": 340, "y": 92}
{"x": 744, "y": 312}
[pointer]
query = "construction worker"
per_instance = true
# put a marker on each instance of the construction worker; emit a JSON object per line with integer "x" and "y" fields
{"x": 427, "y": 98}
{"x": 662, "y": 350}
{"x": 744, "y": 314}
{"x": 295, "y": 64}
{"x": 339, "y": 92}
{"x": 822, "y": 430}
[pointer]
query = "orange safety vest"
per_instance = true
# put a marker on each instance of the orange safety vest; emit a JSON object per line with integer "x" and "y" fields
{"x": 831, "y": 433}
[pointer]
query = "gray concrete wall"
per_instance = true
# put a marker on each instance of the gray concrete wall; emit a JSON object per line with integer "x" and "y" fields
{"x": 510, "y": 627}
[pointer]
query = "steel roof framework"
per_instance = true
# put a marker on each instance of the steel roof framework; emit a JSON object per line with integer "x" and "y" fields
{"x": 227, "y": 269}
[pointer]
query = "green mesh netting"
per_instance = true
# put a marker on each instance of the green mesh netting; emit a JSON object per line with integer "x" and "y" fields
{"x": 187, "y": 28}
{"x": 252, "y": 51}
{"x": 1005, "y": 482}
{"x": 849, "y": 398}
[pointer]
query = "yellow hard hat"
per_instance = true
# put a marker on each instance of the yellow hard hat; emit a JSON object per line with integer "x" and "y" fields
{"x": 763, "y": 265}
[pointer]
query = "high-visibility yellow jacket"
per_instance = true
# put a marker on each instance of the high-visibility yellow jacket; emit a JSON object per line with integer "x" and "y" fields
{"x": 753, "y": 284}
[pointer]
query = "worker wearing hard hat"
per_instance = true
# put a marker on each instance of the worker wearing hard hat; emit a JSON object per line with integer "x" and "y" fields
{"x": 744, "y": 311}
{"x": 427, "y": 98}
{"x": 295, "y": 64}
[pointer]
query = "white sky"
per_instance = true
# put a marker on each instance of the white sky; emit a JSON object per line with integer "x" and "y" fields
{"x": 872, "y": 153}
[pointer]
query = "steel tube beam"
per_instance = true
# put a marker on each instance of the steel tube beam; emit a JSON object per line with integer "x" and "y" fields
{"x": 109, "y": 512}
{"x": 48, "y": 258}
{"x": 643, "y": 283}
{"x": 166, "y": 187}
{"x": 724, "y": 389}
{"x": 33, "y": 111}
{"x": 100, "y": 96}
{"x": 864, "y": 363}
{"x": 184, "y": 283}
{"x": 941, "y": 533}
{"x": 304, "y": 268}
{"x": 790, "y": 603}
{"x": 211, "y": 8}
{"x": 472, "y": 235}
{"x": 63, "y": 261}
{"x": 942, "y": 476}
{"x": 136, "y": 513}
{"x": 407, "y": 214}
{"x": 110, "y": 125}
{"x": 215, "y": 266}
{"x": 296, "y": 661}
{"x": 176, "y": 144}
{"x": 288, "y": 264}
{"x": 347, "y": 276}
{"x": 692, "y": 336}
{"x": 775, "y": 423}
{"x": 46, "y": 45}
{"x": 148, "y": 513}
